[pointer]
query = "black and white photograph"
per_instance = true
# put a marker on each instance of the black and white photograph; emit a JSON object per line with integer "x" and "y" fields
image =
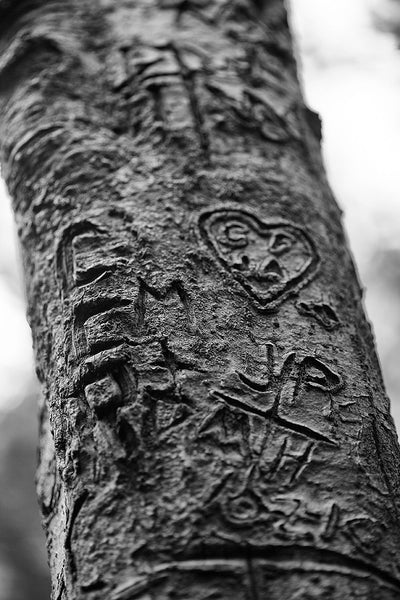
{"x": 199, "y": 299}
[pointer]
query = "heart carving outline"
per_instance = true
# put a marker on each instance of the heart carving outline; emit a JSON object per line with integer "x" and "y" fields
{"x": 269, "y": 259}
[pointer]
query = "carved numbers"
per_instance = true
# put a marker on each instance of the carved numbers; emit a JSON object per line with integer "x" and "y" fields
{"x": 269, "y": 260}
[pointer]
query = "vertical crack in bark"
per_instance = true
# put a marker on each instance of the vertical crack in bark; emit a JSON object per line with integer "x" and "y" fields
{"x": 77, "y": 507}
{"x": 62, "y": 590}
{"x": 189, "y": 79}
{"x": 252, "y": 579}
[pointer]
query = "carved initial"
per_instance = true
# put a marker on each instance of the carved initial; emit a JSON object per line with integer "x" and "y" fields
{"x": 265, "y": 398}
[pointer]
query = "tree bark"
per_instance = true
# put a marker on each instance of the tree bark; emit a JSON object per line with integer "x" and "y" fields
{"x": 214, "y": 422}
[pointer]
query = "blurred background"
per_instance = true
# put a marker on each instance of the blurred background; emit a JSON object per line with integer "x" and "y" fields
{"x": 350, "y": 66}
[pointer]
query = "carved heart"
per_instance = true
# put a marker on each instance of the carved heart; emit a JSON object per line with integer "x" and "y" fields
{"x": 270, "y": 260}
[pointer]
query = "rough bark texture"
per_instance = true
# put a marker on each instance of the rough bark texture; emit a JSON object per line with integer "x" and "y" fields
{"x": 214, "y": 423}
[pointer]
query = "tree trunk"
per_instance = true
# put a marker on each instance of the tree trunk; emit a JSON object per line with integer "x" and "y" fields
{"x": 214, "y": 422}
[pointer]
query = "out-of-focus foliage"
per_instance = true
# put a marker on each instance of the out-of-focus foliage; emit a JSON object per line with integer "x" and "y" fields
{"x": 23, "y": 565}
{"x": 386, "y": 14}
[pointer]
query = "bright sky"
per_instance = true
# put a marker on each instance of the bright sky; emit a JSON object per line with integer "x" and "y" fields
{"x": 15, "y": 338}
{"x": 351, "y": 75}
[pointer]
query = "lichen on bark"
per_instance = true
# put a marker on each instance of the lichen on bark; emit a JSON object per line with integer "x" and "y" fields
{"x": 214, "y": 422}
